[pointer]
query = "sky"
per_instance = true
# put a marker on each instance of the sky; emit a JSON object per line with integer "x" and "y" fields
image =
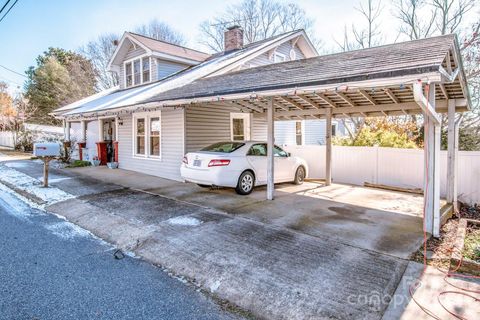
{"x": 32, "y": 25}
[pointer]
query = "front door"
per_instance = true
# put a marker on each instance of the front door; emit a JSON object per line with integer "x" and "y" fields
{"x": 109, "y": 136}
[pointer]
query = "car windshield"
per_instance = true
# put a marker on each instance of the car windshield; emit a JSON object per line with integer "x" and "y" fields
{"x": 224, "y": 147}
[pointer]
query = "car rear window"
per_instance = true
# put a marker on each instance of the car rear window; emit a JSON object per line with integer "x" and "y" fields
{"x": 224, "y": 147}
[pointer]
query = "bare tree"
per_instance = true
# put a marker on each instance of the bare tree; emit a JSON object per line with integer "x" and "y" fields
{"x": 161, "y": 31}
{"x": 450, "y": 13}
{"x": 99, "y": 52}
{"x": 367, "y": 36}
{"x": 259, "y": 19}
{"x": 416, "y": 23}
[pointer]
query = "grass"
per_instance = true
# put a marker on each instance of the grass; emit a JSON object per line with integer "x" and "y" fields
{"x": 79, "y": 163}
{"x": 472, "y": 244}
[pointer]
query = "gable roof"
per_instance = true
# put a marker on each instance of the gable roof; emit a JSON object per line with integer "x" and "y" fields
{"x": 409, "y": 59}
{"x": 165, "y": 47}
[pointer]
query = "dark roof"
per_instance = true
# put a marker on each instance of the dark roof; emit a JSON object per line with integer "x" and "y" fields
{"x": 170, "y": 48}
{"x": 400, "y": 59}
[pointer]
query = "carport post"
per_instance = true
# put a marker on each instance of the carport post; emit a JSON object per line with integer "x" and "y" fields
{"x": 432, "y": 170}
{"x": 270, "y": 158}
{"x": 67, "y": 130}
{"x": 328, "y": 147}
{"x": 452, "y": 151}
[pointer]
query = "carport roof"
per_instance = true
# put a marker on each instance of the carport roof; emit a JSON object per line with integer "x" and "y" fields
{"x": 410, "y": 59}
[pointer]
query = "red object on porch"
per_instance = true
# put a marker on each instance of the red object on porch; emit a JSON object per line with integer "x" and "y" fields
{"x": 102, "y": 152}
{"x": 115, "y": 150}
{"x": 81, "y": 145}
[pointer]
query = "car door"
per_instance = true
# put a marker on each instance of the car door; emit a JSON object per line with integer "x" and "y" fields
{"x": 284, "y": 165}
{"x": 257, "y": 158}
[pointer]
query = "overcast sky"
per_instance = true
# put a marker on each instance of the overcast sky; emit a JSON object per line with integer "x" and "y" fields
{"x": 32, "y": 26}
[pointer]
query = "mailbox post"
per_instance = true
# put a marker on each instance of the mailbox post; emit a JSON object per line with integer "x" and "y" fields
{"x": 46, "y": 152}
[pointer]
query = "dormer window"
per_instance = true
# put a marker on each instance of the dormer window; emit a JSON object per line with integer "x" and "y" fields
{"x": 137, "y": 71}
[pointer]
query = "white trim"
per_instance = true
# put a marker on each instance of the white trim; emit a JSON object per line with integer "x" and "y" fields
{"x": 246, "y": 124}
{"x": 120, "y": 44}
{"x": 147, "y": 116}
{"x": 168, "y": 57}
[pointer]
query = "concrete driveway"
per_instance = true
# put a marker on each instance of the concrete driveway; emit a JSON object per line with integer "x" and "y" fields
{"x": 307, "y": 254}
{"x": 378, "y": 220}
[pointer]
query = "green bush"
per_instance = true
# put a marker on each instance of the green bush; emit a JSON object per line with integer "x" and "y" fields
{"x": 79, "y": 163}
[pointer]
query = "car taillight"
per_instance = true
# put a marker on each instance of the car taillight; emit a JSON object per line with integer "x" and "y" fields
{"x": 185, "y": 160}
{"x": 218, "y": 162}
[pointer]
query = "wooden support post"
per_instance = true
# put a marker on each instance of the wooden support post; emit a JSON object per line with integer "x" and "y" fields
{"x": 100, "y": 130}
{"x": 83, "y": 128}
{"x": 67, "y": 131}
{"x": 432, "y": 169}
{"x": 270, "y": 157}
{"x": 328, "y": 148}
{"x": 452, "y": 162}
{"x": 46, "y": 161}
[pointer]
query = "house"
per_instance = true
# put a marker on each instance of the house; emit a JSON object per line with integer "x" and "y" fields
{"x": 172, "y": 100}
{"x": 154, "y": 142}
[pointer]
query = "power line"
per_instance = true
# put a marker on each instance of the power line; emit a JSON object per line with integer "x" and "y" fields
{"x": 17, "y": 73}
{"x": 10, "y": 81}
{"x": 13, "y": 5}
{"x": 6, "y": 3}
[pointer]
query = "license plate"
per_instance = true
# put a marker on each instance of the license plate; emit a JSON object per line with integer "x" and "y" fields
{"x": 197, "y": 163}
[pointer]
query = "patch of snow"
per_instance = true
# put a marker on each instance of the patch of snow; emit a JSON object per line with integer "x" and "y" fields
{"x": 16, "y": 164}
{"x": 17, "y": 208}
{"x": 53, "y": 180}
{"x": 66, "y": 230}
{"x": 214, "y": 287}
{"x": 184, "y": 221}
{"x": 32, "y": 186}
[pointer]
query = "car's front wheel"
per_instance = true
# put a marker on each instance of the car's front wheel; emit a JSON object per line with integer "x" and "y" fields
{"x": 300, "y": 175}
{"x": 245, "y": 183}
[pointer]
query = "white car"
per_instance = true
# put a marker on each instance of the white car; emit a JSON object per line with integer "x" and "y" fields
{"x": 240, "y": 165}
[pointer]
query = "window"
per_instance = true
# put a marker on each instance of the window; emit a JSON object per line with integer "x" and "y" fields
{"x": 258, "y": 150}
{"x": 155, "y": 136}
{"x": 334, "y": 130}
{"x": 298, "y": 133}
{"x": 140, "y": 136}
{"x": 224, "y": 147}
{"x": 128, "y": 74}
{"x": 145, "y": 69}
{"x": 137, "y": 71}
{"x": 240, "y": 126}
{"x": 147, "y": 135}
{"x": 279, "y": 57}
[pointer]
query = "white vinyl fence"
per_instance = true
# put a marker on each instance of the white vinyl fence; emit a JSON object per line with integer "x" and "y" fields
{"x": 390, "y": 166}
{"x": 7, "y": 139}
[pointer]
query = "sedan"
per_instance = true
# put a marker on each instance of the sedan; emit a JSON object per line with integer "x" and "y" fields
{"x": 240, "y": 165}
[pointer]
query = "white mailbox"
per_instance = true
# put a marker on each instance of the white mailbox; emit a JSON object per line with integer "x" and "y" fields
{"x": 46, "y": 149}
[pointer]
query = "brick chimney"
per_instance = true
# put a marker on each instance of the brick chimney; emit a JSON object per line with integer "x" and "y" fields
{"x": 233, "y": 38}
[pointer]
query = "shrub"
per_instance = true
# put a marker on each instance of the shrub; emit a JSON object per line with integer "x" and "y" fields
{"x": 79, "y": 163}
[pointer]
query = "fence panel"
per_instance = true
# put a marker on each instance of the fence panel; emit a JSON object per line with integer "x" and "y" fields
{"x": 390, "y": 166}
{"x": 7, "y": 139}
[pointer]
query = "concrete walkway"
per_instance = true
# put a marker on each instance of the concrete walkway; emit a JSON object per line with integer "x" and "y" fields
{"x": 236, "y": 249}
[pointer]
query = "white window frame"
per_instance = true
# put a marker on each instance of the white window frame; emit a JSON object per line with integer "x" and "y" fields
{"x": 302, "y": 133}
{"x": 141, "y": 57}
{"x": 279, "y": 57}
{"x": 246, "y": 126}
{"x": 147, "y": 116}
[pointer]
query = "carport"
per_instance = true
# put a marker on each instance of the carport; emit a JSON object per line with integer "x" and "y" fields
{"x": 417, "y": 77}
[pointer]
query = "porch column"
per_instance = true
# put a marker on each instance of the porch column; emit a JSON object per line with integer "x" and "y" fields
{"x": 328, "y": 147}
{"x": 67, "y": 130}
{"x": 100, "y": 130}
{"x": 452, "y": 163}
{"x": 432, "y": 170}
{"x": 270, "y": 157}
{"x": 83, "y": 129}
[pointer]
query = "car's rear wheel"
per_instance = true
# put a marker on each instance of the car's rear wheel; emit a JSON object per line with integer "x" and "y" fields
{"x": 300, "y": 175}
{"x": 245, "y": 183}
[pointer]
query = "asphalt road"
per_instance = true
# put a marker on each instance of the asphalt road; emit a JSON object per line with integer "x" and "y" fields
{"x": 51, "y": 269}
